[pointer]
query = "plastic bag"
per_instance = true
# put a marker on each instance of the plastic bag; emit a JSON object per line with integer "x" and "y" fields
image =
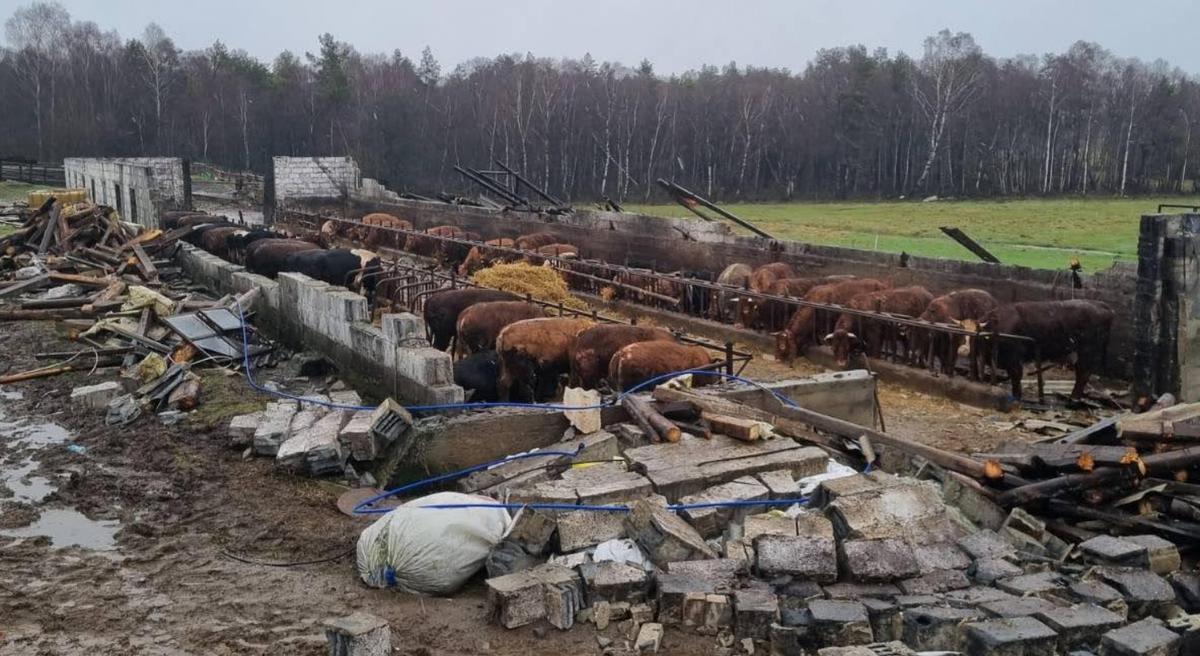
{"x": 430, "y": 551}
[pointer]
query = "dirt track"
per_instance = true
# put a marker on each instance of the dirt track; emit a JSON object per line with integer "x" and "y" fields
{"x": 180, "y": 498}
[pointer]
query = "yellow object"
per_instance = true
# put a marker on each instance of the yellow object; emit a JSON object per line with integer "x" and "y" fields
{"x": 63, "y": 196}
{"x": 151, "y": 367}
{"x": 543, "y": 283}
{"x": 140, "y": 297}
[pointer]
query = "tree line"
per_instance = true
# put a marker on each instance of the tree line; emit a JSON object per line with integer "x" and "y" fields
{"x": 852, "y": 124}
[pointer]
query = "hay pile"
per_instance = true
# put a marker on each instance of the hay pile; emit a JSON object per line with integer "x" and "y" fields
{"x": 543, "y": 283}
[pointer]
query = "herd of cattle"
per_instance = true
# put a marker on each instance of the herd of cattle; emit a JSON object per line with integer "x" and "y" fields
{"x": 508, "y": 349}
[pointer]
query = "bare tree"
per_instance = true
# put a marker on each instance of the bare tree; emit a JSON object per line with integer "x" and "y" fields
{"x": 948, "y": 80}
{"x": 36, "y": 34}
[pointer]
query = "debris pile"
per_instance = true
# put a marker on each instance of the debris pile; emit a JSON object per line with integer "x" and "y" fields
{"x": 680, "y": 536}
{"x": 112, "y": 287}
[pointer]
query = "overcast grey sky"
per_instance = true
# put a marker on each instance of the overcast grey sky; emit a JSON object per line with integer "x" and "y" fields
{"x": 675, "y": 35}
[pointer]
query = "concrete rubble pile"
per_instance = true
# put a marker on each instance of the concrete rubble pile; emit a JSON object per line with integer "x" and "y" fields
{"x": 872, "y": 563}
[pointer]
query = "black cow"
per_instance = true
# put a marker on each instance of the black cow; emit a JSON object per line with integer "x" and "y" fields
{"x": 1058, "y": 328}
{"x": 697, "y": 299}
{"x": 442, "y": 310}
{"x": 238, "y": 244}
{"x": 356, "y": 269}
{"x": 267, "y": 257}
{"x": 477, "y": 375}
{"x": 196, "y": 236}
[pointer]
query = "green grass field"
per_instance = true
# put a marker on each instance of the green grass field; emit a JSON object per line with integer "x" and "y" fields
{"x": 1035, "y": 233}
{"x": 11, "y": 191}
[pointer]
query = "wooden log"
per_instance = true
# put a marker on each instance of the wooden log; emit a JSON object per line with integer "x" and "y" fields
{"x": 149, "y": 271}
{"x": 29, "y": 285}
{"x": 698, "y": 429}
{"x": 84, "y": 364}
{"x": 52, "y": 303}
{"x": 1159, "y": 463}
{"x": 86, "y": 281}
{"x": 746, "y": 430}
{"x": 650, "y": 420}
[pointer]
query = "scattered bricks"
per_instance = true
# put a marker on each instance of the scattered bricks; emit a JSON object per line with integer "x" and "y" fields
{"x": 357, "y": 437}
{"x": 939, "y": 555}
{"x": 986, "y": 544}
{"x": 550, "y": 592}
{"x": 532, "y": 529}
{"x": 273, "y": 428}
{"x": 722, "y": 572}
{"x": 807, "y": 557}
{"x": 1161, "y": 557}
{"x": 389, "y": 421}
{"x": 563, "y": 594}
{"x": 887, "y": 623}
{"x": 580, "y": 530}
{"x": 780, "y": 484}
{"x": 649, "y": 637}
{"x": 877, "y": 560}
{"x": 1021, "y": 521}
{"x": 932, "y": 628}
{"x": 242, "y": 428}
{"x": 857, "y": 590}
{"x": 316, "y": 449}
{"x": 711, "y": 521}
{"x": 840, "y": 623}
{"x": 1018, "y": 607}
{"x": 1145, "y": 638}
{"x": 1081, "y": 625}
{"x": 990, "y": 570}
{"x": 1039, "y": 583}
{"x": 1187, "y": 589}
{"x": 755, "y": 611}
{"x": 619, "y": 582}
{"x": 346, "y": 397}
{"x": 1100, "y": 594}
{"x": 663, "y": 536}
{"x": 1110, "y": 550}
{"x": 935, "y": 582}
{"x": 915, "y": 511}
{"x": 358, "y": 634}
{"x": 1145, "y": 592}
{"x": 639, "y": 613}
{"x": 673, "y": 589}
{"x": 1016, "y": 636}
{"x": 96, "y": 396}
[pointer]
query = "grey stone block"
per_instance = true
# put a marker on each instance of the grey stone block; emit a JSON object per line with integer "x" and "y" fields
{"x": 1018, "y": 607}
{"x": 859, "y": 590}
{"x": 806, "y": 557}
{"x": 580, "y": 530}
{"x": 1187, "y": 589}
{"x": 358, "y": 634}
{"x": 663, "y": 536}
{"x": 840, "y": 623}
{"x": 755, "y": 610}
{"x": 1100, "y": 594}
{"x": 933, "y": 628}
{"x": 711, "y": 521}
{"x": 990, "y": 570}
{"x": 986, "y": 544}
{"x": 96, "y": 396}
{"x": 532, "y": 530}
{"x": 1147, "y": 637}
{"x": 1017, "y": 636}
{"x": 315, "y": 450}
{"x": 674, "y": 589}
{"x": 242, "y": 428}
{"x": 887, "y": 559}
{"x": 1145, "y": 592}
{"x": 548, "y": 592}
{"x": 1039, "y": 583}
{"x": 935, "y": 582}
{"x": 273, "y": 429}
{"x": 974, "y": 596}
{"x": 1161, "y": 555}
{"x": 780, "y": 484}
{"x": 358, "y": 439}
{"x": 887, "y": 622}
{"x": 909, "y": 511}
{"x": 1080, "y": 625}
{"x": 614, "y": 582}
{"x": 722, "y": 572}
{"x": 1109, "y": 549}
{"x": 935, "y": 556}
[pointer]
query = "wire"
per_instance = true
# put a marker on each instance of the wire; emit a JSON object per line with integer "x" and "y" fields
{"x": 241, "y": 559}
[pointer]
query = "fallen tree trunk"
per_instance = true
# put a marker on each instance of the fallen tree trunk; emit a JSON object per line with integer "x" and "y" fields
{"x": 650, "y": 420}
{"x": 1159, "y": 463}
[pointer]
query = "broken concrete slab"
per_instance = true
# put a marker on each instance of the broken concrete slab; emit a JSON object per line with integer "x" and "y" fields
{"x": 315, "y": 450}
{"x": 580, "y": 530}
{"x": 912, "y": 511}
{"x": 812, "y": 557}
{"x": 598, "y": 446}
{"x": 617, "y": 582}
{"x": 1145, "y": 592}
{"x": 840, "y": 623}
{"x": 711, "y": 521}
{"x": 755, "y": 610}
{"x": 1015, "y": 636}
{"x": 96, "y": 396}
{"x": 885, "y": 559}
{"x": 532, "y": 530}
{"x": 721, "y": 572}
{"x": 1148, "y": 637}
{"x": 691, "y": 465}
{"x": 780, "y": 484}
{"x": 606, "y": 483}
{"x": 649, "y": 638}
{"x": 1018, "y": 607}
{"x": 990, "y": 570}
{"x": 935, "y": 582}
{"x": 242, "y": 428}
{"x": 664, "y": 536}
{"x": 547, "y": 591}
{"x": 1161, "y": 555}
{"x": 986, "y": 544}
{"x": 273, "y": 429}
{"x": 1038, "y": 583}
{"x": 358, "y": 439}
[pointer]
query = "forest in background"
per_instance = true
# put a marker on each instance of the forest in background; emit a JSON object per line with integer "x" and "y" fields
{"x": 853, "y": 123}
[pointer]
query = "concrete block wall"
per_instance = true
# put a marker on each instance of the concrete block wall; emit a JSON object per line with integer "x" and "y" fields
{"x": 315, "y": 177}
{"x": 141, "y": 188}
{"x": 336, "y": 323}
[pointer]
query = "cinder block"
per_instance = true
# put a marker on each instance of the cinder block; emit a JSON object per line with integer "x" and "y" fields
{"x": 1014, "y": 636}
{"x": 663, "y": 536}
{"x": 883, "y": 560}
{"x": 404, "y": 329}
{"x": 96, "y": 396}
{"x": 840, "y": 623}
{"x": 580, "y": 530}
{"x": 812, "y": 557}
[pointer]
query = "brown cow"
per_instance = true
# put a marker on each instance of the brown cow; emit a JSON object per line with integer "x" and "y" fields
{"x": 479, "y": 257}
{"x": 766, "y": 274}
{"x": 215, "y": 240}
{"x": 595, "y": 347}
{"x": 442, "y": 309}
{"x": 561, "y": 251}
{"x": 642, "y": 361}
{"x": 724, "y": 302}
{"x": 805, "y": 322}
{"x": 533, "y": 354}
{"x": 905, "y": 301}
{"x": 479, "y": 324}
{"x": 772, "y": 315}
{"x": 422, "y": 245}
{"x": 377, "y": 230}
{"x": 533, "y": 241}
{"x": 964, "y": 308}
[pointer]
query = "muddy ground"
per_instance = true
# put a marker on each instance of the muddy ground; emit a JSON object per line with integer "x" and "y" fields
{"x": 162, "y": 511}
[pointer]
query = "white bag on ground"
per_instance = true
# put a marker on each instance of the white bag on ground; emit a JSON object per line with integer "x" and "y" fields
{"x": 430, "y": 551}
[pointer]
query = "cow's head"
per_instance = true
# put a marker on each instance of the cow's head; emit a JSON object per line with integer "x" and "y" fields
{"x": 747, "y": 310}
{"x": 785, "y": 345}
{"x": 843, "y": 343}
{"x": 368, "y": 270}
{"x": 969, "y": 325}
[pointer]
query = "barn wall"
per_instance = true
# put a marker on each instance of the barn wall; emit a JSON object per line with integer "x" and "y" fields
{"x": 673, "y": 244}
{"x": 141, "y": 188}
